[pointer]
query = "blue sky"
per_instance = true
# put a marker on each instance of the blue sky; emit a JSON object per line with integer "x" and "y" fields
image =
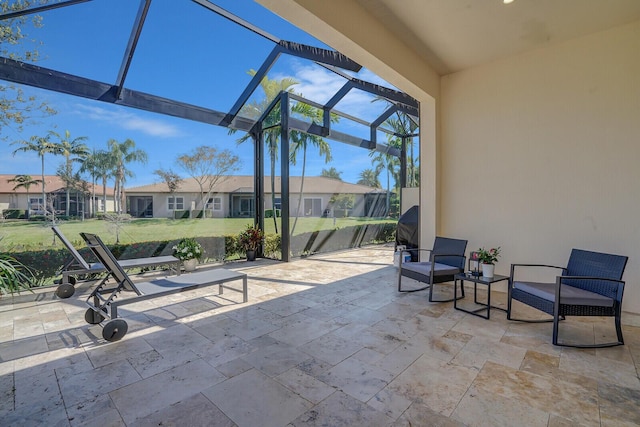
{"x": 185, "y": 53}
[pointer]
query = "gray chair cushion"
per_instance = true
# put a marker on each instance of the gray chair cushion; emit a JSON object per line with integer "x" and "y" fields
{"x": 425, "y": 268}
{"x": 568, "y": 294}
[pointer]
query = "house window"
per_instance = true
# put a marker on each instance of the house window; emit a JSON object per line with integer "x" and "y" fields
{"x": 312, "y": 207}
{"x": 176, "y": 203}
{"x": 215, "y": 203}
{"x": 35, "y": 203}
{"x": 277, "y": 203}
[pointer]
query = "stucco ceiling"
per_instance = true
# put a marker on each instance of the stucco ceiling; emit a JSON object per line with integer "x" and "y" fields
{"x": 452, "y": 35}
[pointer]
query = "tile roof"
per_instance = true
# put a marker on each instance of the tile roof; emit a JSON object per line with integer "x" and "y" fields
{"x": 52, "y": 183}
{"x": 244, "y": 183}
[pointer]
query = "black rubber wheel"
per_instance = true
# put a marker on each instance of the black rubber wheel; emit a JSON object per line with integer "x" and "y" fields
{"x": 114, "y": 330}
{"x": 65, "y": 290}
{"x": 92, "y": 317}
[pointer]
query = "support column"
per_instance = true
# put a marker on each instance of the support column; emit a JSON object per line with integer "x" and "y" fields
{"x": 284, "y": 179}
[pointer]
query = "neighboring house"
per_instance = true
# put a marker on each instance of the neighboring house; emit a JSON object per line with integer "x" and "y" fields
{"x": 233, "y": 198}
{"x": 79, "y": 201}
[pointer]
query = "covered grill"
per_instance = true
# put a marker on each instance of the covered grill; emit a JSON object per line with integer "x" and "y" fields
{"x": 407, "y": 232}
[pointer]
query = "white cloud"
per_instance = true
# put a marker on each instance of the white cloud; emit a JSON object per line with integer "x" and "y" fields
{"x": 128, "y": 120}
{"x": 319, "y": 84}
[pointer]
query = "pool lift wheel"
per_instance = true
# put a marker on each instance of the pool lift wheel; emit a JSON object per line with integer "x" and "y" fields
{"x": 112, "y": 330}
{"x": 66, "y": 290}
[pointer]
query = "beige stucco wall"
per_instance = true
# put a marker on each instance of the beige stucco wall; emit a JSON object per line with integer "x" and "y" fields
{"x": 540, "y": 153}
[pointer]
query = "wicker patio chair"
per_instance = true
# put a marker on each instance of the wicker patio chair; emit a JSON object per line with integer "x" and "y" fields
{"x": 590, "y": 285}
{"x": 442, "y": 263}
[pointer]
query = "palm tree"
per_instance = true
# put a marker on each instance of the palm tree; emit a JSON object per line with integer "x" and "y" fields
{"x": 403, "y": 125}
{"x": 123, "y": 153}
{"x": 25, "y": 181}
{"x": 98, "y": 165}
{"x": 41, "y": 145}
{"x": 300, "y": 142}
{"x": 332, "y": 173}
{"x": 388, "y": 163}
{"x": 369, "y": 177}
{"x": 254, "y": 109}
{"x": 71, "y": 147}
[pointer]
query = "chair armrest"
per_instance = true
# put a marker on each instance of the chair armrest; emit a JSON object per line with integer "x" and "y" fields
{"x": 619, "y": 284}
{"x": 417, "y": 251}
{"x": 513, "y": 269}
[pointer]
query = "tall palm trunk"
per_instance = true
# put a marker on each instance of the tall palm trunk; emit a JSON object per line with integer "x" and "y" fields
{"x": 119, "y": 183}
{"x": 388, "y": 193}
{"x": 304, "y": 166}
{"x": 28, "y": 202}
{"x": 67, "y": 190}
{"x": 273, "y": 184}
{"x": 44, "y": 197}
{"x": 104, "y": 194}
{"x": 93, "y": 196}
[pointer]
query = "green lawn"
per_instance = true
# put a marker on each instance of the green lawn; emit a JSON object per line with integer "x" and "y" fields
{"x": 23, "y": 235}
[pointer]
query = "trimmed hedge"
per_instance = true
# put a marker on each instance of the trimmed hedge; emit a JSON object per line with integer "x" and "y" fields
{"x": 343, "y": 238}
{"x": 269, "y": 213}
{"x": 14, "y": 214}
{"x": 46, "y": 263}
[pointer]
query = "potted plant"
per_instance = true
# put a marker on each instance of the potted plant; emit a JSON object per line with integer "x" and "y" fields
{"x": 488, "y": 258}
{"x": 189, "y": 251}
{"x": 14, "y": 276}
{"x": 250, "y": 240}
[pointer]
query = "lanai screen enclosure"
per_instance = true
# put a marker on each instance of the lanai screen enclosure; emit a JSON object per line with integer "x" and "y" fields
{"x": 278, "y": 121}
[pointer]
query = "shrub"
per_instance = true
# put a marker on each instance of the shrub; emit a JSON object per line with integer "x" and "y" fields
{"x": 44, "y": 264}
{"x": 14, "y": 214}
{"x": 272, "y": 246}
{"x": 250, "y": 238}
{"x": 268, "y": 213}
{"x": 14, "y": 276}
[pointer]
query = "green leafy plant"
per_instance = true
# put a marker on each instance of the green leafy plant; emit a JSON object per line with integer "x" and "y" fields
{"x": 250, "y": 238}
{"x": 489, "y": 256}
{"x": 14, "y": 276}
{"x": 187, "y": 249}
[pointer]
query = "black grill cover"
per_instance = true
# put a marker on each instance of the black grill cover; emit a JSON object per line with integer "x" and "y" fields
{"x": 407, "y": 230}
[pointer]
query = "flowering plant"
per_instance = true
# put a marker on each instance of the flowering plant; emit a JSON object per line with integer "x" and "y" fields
{"x": 488, "y": 256}
{"x": 250, "y": 238}
{"x": 187, "y": 249}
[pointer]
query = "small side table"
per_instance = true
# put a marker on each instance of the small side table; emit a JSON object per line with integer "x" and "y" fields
{"x": 476, "y": 281}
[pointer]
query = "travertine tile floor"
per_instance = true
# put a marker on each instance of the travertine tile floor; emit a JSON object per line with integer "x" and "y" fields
{"x": 324, "y": 341}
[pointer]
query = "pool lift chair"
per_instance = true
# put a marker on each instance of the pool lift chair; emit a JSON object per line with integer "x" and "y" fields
{"x": 104, "y": 300}
{"x": 77, "y": 266}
